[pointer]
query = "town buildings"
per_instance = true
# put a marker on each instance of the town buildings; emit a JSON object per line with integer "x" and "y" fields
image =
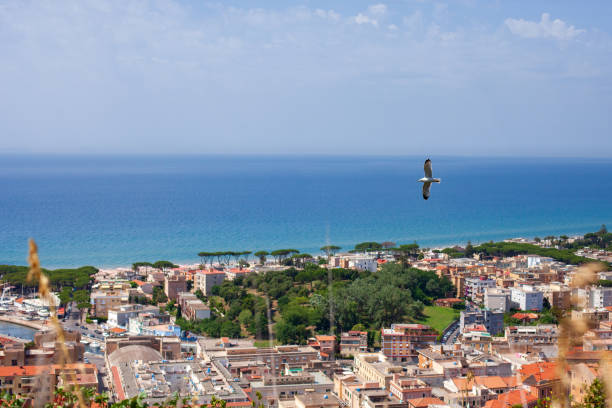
{"x": 400, "y": 342}
{"x": 204, "y": 280}
{"x": 192, "y": 308}
{"x": 526, "y": 298}
{"x": 173, "y": 285}
{"x": 104, "y": 299}
{"x": 353, "y": 342}
{"x": 493, "y": 321}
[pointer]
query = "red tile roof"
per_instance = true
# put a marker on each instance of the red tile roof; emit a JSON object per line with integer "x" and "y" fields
{"x": 117, "y": 383}
{"x": 323, "y": 337}
{"x": 11, "y": 371}
{"x": 521, "y": 316}
{"x": 541, "y": 371}
{"x": 117, "y": 330}
{"x": 512, "y": 398}
{"x": 491, "y": 382}
{"x": 425, "y": 402}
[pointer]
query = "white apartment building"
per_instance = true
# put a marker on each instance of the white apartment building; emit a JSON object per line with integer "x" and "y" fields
{"x": 526, "y": 299}
{"x": 364, "y": 263}
{"x": 600, "y": 297}
{"x": 497, "y": 299}
{"x": 474, "y": 287}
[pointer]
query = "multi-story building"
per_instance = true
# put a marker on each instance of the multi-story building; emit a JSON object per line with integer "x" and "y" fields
{"x": 275, "y": 388}
{"x": 400, "y": 342}
{"x": 104, "y": 300}
{"x": 593, "y": 317}
{"x": 173, "y": 285}
{"x": 204, "y": 280}
{"x": 138, "y": 325}
{"x": 526, "y": 299}
{"x": 39, "y": 382}
{"x": 237, "y": 351}
{"x": 375, "y": 368}
{"x": 192, "y": 308}
{"x": 493, "y": 321}
{"x": 540, "y": 377}
{"x": 558, "y": 295}
{"x": 497, "y": 299}
{"x": 326, "y": 346}
{"x": 474, "y": 287}
{"x": 353, "y": 342}
{"x": 405, "y": 388}
{"x": 47, "y": 349}
{"x": 120, "y": 316}
{"x": 524, "y": 337}
{"x": 600, "y": 297}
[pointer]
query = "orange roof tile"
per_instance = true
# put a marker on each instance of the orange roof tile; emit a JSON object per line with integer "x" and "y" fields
{"x": 117, "y": 330}
{"x": 117, "y": 382}
{"x": 325, "y": 338}
{"x": 10, "y": 371}
{"x": 512, "y": 398}
{"x": 541, "y": 371}
{"x": 425, "y": 402}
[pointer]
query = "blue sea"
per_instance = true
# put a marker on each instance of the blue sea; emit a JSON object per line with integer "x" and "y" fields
{"x": 111, "y": 211}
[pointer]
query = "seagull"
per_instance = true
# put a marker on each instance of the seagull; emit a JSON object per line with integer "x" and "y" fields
{"x": 428, "y": 179}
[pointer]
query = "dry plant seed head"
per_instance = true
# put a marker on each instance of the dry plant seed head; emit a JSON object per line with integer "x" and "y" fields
{"x": 571, "y": 331}
{"x": 586, "y": 274}
{"x": 605, "y": 370}
{"x": 36, "y": 274}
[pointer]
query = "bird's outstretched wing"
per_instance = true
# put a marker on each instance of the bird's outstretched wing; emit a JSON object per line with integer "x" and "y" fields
{"x": 427, "y": 167}
{"x": 426, "y": 187}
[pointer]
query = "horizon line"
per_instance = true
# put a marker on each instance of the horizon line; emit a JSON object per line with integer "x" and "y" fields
{"x": 291, "y": 155}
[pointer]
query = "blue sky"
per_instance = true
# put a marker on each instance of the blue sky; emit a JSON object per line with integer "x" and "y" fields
{"x": 467, "y": 77}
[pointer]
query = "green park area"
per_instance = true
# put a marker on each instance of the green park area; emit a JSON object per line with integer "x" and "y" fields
{"x": 439, "y": 317}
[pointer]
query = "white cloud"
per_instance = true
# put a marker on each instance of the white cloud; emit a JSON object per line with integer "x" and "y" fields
{"x": 372, "y": 16}
{"x": 377, "y": 9}
{"x": 363, "y": 19}
{"x": 392, "y": 27}
{"x": 545, "y": 28}
{"x": 327, "y": 14}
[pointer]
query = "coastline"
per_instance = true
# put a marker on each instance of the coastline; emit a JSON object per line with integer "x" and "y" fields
{"x": 191, "y": 263}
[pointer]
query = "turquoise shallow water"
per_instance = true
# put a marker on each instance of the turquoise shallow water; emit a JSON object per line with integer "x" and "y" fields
{"x": 111, "y": 211}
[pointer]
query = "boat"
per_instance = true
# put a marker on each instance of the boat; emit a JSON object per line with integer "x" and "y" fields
{"x": 94, "y": 345}
{"x": 85, "y": 341}
{"x": 43, "y": 313}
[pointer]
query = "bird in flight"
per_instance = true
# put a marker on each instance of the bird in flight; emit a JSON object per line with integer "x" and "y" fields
{"x": 428, "y": 179}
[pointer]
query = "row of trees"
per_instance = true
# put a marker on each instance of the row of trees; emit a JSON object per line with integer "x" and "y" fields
{"x": 601, "y": 239}
{"x": 222, "y": 256}
{"x": 155, "y": 265}
{"x": 78, "y": 278}
{"x": 282, "y": 255}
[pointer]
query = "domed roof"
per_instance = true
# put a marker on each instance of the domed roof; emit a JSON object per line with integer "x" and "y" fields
{"x": 132, "y": 353}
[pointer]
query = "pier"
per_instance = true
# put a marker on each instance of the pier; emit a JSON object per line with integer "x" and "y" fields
{"x": 26, "y": 323}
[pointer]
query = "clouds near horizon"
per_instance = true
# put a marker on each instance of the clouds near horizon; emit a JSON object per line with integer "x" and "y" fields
{"x": 166, "y": 76}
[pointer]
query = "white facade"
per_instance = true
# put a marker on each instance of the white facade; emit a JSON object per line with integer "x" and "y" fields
{"x": 525, "y": 299}
{"x": 534, "y": 261}
{"x": 497, "y": 299}
{"x": 364, "y": 264}
{"x": 477, "y": 286}
{"x": 600, "y": 297}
